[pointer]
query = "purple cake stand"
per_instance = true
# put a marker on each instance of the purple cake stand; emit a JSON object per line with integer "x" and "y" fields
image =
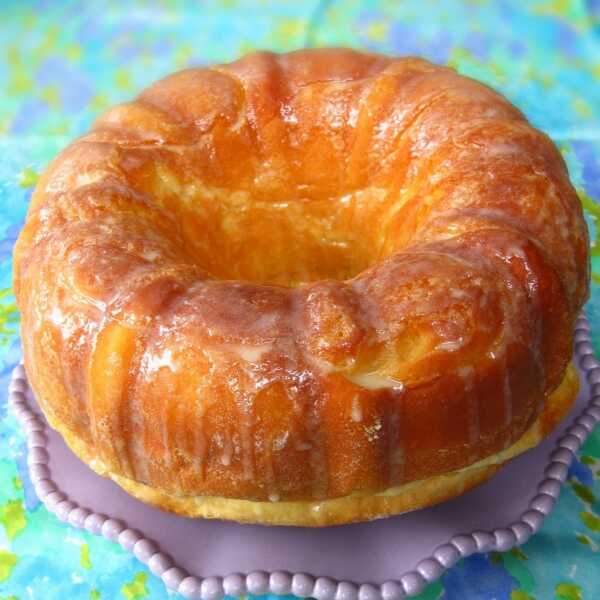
{"x": 387, "y": 559}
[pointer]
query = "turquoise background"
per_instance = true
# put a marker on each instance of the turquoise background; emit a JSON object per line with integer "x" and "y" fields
{"x": 63, "y": 62}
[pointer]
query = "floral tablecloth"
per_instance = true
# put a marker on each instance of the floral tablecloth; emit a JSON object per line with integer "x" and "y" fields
{"x": 63, "y": 62}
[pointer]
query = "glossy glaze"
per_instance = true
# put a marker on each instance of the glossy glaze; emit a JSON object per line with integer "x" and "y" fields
{"x": 299, "y": 276}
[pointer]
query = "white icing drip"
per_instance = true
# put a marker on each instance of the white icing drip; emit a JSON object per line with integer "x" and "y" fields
{"x": 324, "y": 367}
{"x": 288, "y": 116}
{"x": 490, "y": 112}
{"x": 353, "y": 116}
{"x": 281, "y": 441}
{"x": 451, "y": 345}
{"x": 502, "y": 148}
{"x": 150, "y": 255}
{"x": 513, "y": 251}
{"x": 380, "y": 131}
{"x": 227, "y": 452}
{"x": 88, "y": 178}
{"x": 246, "y": 435}
{"x": 203, "y": 401}
{"x": 373, "y": 431}
{"x": 56, "y": 316}
{"x": 156, "y": 362}
{"x": 141, "y": 462}
{"x": 356, "y": 411}
{"x": 334, "y": 116}
{"x": 374, "y": 381}
{"x": 239, "y": 122}
{"x": 249, "y": 353}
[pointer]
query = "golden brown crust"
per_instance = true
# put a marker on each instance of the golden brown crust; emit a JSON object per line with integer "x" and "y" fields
{"x": 301, "y": 276}
{"x": 357, "y": 506}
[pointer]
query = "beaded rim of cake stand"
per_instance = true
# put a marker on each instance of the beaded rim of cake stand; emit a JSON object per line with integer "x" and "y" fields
{"x": 303, "y": 584}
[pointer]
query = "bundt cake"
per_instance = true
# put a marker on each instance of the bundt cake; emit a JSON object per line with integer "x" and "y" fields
{"x": 309, "y": 288}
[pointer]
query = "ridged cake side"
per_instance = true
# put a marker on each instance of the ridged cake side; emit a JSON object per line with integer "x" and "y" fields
{"x": 297, "y": 277}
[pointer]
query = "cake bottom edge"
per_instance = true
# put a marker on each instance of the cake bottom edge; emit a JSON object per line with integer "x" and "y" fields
{"x": 355, "y": 507}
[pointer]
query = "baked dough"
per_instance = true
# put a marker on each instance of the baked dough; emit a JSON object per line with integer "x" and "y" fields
{"x": 302, "y": 280}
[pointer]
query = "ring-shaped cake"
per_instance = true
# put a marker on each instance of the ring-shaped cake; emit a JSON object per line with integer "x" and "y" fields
{"x": 309, "y": 288}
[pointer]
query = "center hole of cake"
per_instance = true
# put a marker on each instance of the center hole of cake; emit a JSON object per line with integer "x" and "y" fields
{"x": 288, "y": 242}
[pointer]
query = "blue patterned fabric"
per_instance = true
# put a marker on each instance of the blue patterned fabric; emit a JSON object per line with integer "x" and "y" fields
{"x": 63, "y": 62}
